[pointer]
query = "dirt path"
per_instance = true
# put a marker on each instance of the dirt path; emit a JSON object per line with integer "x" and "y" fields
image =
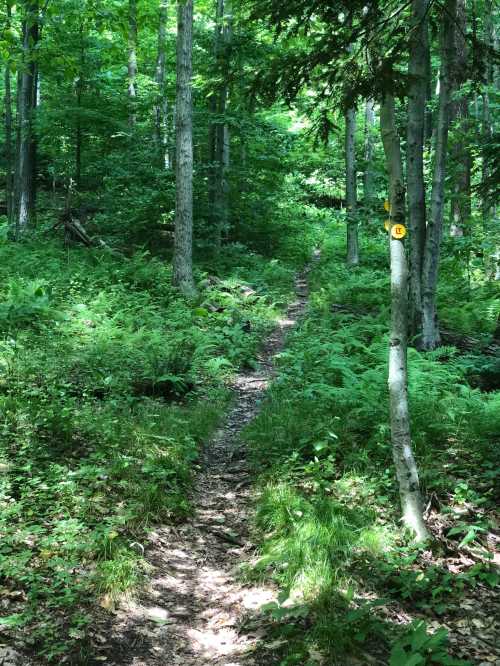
{"x": 196, "y": 611}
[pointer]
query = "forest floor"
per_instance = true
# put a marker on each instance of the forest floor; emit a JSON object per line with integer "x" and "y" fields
{"x": 195, "y": 609}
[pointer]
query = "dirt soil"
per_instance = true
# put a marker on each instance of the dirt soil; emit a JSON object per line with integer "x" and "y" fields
{"x": 196, "y": 610}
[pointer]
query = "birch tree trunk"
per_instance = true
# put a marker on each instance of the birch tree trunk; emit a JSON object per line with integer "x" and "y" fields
{"x": 161, "y": 107}
{"x": 9, "y": 152}
{"x": 25, "y": 185}
{"x": 183, "y": 244}
{"x": 417, "y": 100}
{"x": 132, "y": 60}
{"x": 430, "y": 327}
{"x": 368, "y": 176}
{"x": 404, "y": 460}
{"x": 351, "y": 188}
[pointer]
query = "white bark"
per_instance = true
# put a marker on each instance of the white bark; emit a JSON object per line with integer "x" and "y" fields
{"x": 132, "y": 59}
{"x": 404, "y": 461}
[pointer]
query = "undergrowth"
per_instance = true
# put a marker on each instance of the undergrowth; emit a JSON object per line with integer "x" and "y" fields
{"x": 328, "y": 514}
{"x": 109, "y": 384}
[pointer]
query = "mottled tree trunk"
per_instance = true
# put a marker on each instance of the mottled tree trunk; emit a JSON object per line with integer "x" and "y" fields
{"x": 460, "y": 155}
{"x": 9, "y": 151}
{"x": 183, "y": 245}
{"x": 417, "y": 100}
{"x": 404, "y": 460}
{"x": 368, "y": 176}
{"x": 430, "y": 327}
{"x": 351, "y": 188}
{"x": 132, "y": 60}
{"x": 25, "y": 186}
{"x": 161, "y": 106}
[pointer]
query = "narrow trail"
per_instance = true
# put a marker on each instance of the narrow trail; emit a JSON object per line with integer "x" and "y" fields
{"x": 196, "y": 611}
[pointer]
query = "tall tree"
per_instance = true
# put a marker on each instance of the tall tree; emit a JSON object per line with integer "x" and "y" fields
{"x": 404, "y": 460}
{"x": 132, "y": 60}
{"x": 368, "y": 174}
{"x": 161, "y": 104}
{"x": 25, "y": 185}
{"x": 460, "y": 153}
{"x": 430, "y": 270}
{"x": 183, "y": 244}
{"x": 9, "y": 149}
{"x": 417, "y": 98}
{"x": 351, "y": 187}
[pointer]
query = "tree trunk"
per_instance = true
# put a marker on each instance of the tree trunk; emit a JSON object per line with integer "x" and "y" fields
{"x": 161, "y": 106}
{"x": 430, "y": 327}
{"x": 9, "y": 152}
{"x": 368, "y": 176}
{"x": 79, "y": 94}
{"x": 351, "y": 188}
{"x": 132, "y": 60}
{"x": 183, "y": 246}
{"x": 406, "y": 467}
{"x": 489, "y": 38}
{"x": 417, "y": 101}
{"x": 26, "y": 157}
{"x": 460, "y": 155}
{"x": 223, "y": 39}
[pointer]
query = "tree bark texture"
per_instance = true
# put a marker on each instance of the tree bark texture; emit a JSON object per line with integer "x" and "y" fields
{"x": 222, "y": 138}
{"x": 25, "y": 185}
{"x": 351, "y": 188}
{"x": 417, "y": 101}
{"x": 430, "y": 327}
{"x": 9, "y": 150}
{"x": 460, "y": 154}
{"x": 183, "y": 244}
{"x": 404, "y": 460}
{"x": 161, "y": 107}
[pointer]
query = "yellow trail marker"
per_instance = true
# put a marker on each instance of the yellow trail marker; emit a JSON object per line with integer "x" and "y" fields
{"x": 387, "y": 225}
{"x": 398, "y": 231}
{"x": 387, "y": 206}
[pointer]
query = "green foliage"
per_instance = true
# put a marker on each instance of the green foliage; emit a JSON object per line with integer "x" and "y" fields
{"x": 329, "y": 501}
{"x": 417, "y": 646}
{"x": 109, "y": 383}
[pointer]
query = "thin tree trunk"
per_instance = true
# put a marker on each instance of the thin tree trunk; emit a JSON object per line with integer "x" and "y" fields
{"x": 417, "y": 98}
{"x": 460, "y": 155}
{"x": 430, "y": 327}
{"x": 132, "y": 60}
{"x": 223, "y": 39}
{"x": 183, "y": 246}
{"x": 9, "y": 152}
{"x": 489, "y": 37}
{"x": 351, "y": 188}
{"x": 161, "y": 107}
{"x": 79, "y": 93}
{"x": 26, "y": 158}
{"x": 368, "y": 176}
{"x": 406, "y": 467}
